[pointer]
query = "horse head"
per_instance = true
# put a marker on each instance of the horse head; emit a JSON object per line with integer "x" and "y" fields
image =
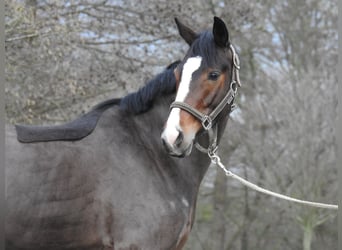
{"x": 204, "y": 79}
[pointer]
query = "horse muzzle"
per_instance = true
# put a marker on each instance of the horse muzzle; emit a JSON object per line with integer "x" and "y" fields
{"x": 176, "y": 144}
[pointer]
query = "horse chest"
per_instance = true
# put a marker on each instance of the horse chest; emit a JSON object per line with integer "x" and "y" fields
{"x": 143, "y": 217}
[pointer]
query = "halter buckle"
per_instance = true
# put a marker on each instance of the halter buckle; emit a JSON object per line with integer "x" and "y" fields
{"x": 207, "y": 122}
{"x": 233, "y": 86}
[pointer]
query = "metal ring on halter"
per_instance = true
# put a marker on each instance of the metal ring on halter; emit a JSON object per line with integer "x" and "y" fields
{"x": 207, "y": 122}
{"x": 233, "y": 86}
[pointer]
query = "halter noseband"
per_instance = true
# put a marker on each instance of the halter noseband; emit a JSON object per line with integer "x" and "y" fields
{"x": 208, "y": 119}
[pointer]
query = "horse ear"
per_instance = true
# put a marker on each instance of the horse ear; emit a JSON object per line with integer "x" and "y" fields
{"x": 220, "y": 32}
{"x": 185, "y": 32}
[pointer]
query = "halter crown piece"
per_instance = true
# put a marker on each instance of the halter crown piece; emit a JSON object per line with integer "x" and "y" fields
{"x": 207, "y": 120}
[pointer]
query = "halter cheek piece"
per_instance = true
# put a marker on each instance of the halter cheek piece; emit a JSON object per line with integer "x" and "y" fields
{"x": 208, "y": 120}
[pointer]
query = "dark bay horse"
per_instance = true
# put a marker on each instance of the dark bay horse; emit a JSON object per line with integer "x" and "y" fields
{"x": 108, "y": 179}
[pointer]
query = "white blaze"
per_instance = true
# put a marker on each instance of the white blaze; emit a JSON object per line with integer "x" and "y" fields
{"x": 191, "y": 65}
{"x": 172, "y": 125}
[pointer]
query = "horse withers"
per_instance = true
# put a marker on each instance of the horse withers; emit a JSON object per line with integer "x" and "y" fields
{"x": 108, "y": 179}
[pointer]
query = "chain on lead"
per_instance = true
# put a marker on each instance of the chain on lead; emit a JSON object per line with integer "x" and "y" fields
{"x": 212, "y": 155}
{"x": 215, "y": 159}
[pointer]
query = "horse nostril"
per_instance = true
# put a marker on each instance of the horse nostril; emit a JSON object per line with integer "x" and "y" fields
{"x": 179, "y": 139}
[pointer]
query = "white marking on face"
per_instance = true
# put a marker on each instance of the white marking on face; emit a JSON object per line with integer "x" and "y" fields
{"x": 190, "y": 66}
{"x": 172, "y": 128}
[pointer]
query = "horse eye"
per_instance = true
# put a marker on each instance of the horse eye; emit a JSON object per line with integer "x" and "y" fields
{"x": 213, "y": 76}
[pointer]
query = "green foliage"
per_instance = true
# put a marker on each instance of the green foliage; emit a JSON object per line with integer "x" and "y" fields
{"x": 204, "y": 213}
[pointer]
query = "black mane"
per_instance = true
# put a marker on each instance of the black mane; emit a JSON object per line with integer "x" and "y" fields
{"x": 142, "y": 100}
{"x": 165, "y": 82}
{"x": 135, "y": 103}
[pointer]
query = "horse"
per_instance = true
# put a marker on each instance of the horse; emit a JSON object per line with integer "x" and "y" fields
{"x": 126, "y": 175}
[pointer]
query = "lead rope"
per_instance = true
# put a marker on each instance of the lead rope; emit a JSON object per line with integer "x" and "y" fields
{"x": 215, "y": 159}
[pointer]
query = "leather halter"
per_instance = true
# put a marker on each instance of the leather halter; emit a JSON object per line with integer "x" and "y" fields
{"x": 208, "y": 120}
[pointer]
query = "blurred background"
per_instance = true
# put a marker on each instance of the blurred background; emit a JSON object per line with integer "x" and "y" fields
{"x": 63, "y": 57}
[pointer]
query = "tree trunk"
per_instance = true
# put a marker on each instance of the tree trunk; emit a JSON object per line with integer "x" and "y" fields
{"x": 220, "y": 194}
{"x": 307, "y": 238}
{"x": 246, "y": 219}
